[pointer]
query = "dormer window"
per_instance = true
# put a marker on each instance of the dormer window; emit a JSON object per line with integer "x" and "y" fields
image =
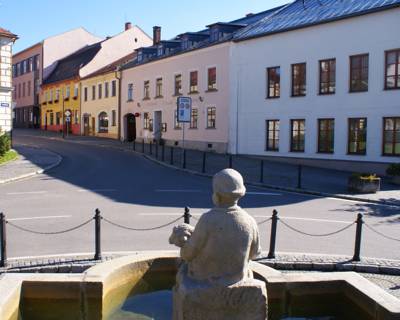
{"x": 140, "y": 56}
{"x": 160, "y": 50}
{"x": 215, "y": 34}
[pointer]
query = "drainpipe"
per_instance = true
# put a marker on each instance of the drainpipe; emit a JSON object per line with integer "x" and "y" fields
{"x": 118, "y": 76}
{"x": 80, "y": 108}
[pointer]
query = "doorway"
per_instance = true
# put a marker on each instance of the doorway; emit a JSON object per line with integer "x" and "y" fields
{"x": 130, "y": 127}
{"x": 93, "y": 126}
{"x": 86, "y": 125}
{"x": 157, "y": 125}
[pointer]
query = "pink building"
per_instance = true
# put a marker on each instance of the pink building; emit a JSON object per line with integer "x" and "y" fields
{"x": 32, "y": 65}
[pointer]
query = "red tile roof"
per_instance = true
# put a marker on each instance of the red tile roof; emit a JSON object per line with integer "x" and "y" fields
{"x": 6, "y": 33}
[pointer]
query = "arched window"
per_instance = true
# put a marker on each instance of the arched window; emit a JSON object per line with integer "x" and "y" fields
{"x": 103, "y": 122}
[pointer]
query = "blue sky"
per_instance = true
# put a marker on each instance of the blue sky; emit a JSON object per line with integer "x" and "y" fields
{"x": 33, "y": 20}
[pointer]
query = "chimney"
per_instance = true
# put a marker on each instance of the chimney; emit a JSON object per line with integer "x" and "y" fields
{"x": 156, "y": 35}
{"x": 128, "y": 25}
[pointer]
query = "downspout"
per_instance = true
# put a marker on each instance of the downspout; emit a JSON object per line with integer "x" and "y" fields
{"x": 80, "y": 107}
{"x": 118, "y": 75}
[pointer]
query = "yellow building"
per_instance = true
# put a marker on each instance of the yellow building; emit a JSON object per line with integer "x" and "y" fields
{"x": 100, "y": 101}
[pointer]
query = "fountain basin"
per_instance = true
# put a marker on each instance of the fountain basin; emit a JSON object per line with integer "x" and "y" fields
{"x": 113, "y": 289}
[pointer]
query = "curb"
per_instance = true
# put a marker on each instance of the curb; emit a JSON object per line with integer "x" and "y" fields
{"x": 77, "y": 263}
{"x": 34, "y": 173}
{"x": 255, "y": 184}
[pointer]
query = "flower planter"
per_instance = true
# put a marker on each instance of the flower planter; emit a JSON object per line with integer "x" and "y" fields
{"x": 358, "y": 184}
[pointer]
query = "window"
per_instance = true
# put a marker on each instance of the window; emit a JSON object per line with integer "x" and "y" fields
{"x": 392, "y": 69}
{"x": 159, "y": 88}
{"x": 327, "y": 76}
{"x": 30, "y": 64}
{"x": 178, "y": 85}
{"x": 57, "y": 95}
{"x": 193, "y": 82}
{"x": 211, "y": 117}
{"x": 146, "y": 120}
{"x": 151, "y": 125}
{"x": 86, "y": 93}
{"x": 51, "y": 118}
{"x": 68, "y": 93}
{"x": 274, "y": 82}
{"x": 130, "y": 92}
{"x": 212, "y": 79}
{"x": 391, "y": 136}
{"x": 326, "y": 135}
{"x": 93, "y": 92}
{"x": 146, "y": 90}
{"x": 23, "y": 89}
{"x": 14, "y": 70}
{"x": 359, "y": 73}
{"x": 106, "y": 90}
{"x": 193, "y": 118}
{"x": 100, "y": 90}
{"x": 272, "y": 135}
{"x": 19, "y": 90}
{"x": 298, "y": 80}
{"x": 113, "y": 88}
{"x": 76, "y": 91}
{"x": 103, "y": 122}
{"x": 298, "y": 135}
{"x": 177, "y": 125}
{"x": 76, "y": 113}
{"x": 114, "y": 118}
{"x": 29, "y": 88}
{"x": 58, "y": 118}
{"x": 357, "y": 139}
{"x": 36, "y": 63}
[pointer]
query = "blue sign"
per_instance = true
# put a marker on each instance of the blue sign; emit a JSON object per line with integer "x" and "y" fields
{"x": 5, "y": 104}
{"x": 184, "y": 109}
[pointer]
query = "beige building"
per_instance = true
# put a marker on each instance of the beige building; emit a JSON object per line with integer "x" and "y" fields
{"x": 100, "y": 101}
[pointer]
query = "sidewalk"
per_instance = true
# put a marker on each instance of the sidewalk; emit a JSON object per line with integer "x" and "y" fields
{"x": 31, "y": 161}
{"x": 271, "y": 174}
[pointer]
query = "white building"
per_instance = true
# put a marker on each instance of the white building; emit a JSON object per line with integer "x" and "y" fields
{"x": 6, "y": 41}
{"x": 319, "y": 80}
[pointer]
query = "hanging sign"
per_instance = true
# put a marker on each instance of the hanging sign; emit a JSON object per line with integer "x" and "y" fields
{"x": 184, "y": 109}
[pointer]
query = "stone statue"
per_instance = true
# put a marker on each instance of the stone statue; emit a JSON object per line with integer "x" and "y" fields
{"x": 214, "y": 281}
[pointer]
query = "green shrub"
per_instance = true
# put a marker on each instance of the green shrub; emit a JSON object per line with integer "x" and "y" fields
{"x": 393, "y": 169}
{"x": 5, "y": 144}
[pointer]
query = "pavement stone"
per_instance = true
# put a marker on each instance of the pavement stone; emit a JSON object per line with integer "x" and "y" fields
{"x": 31, "y": 161}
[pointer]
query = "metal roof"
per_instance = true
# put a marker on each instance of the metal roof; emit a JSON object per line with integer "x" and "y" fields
{"x": 303, "y": 13}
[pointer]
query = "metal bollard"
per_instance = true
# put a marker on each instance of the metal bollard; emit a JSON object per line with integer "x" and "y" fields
{"x": 272, "y": 242}
{"x": 230, "y": 161}
{"x": 186, "y": 215}
{"x": 156, "y": 144}
{"x": 134, "y": 145}
{"x": 357, "y": 247}
{"x": 163, "y": 153}
{"x": 143, "y": 146}
{"x": 299, "y": 176}
{"x": 203, "y": 167}
{"x": 171, "y": 160}
{"x": 151, "y": 147}
{"x": 3, "y": 247}
{"x": 262, "y": 171}
{"x": 97, "y": 224}
{"x": 184, "y": 159}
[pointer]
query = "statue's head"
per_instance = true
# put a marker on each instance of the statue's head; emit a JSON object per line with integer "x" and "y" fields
{"x": 228, "y": 188}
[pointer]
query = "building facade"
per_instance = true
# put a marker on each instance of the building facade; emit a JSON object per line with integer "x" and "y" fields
{"x": 34, "y": 64}
{"x": 326, "y": 90}
{"x": 6, "y": 41}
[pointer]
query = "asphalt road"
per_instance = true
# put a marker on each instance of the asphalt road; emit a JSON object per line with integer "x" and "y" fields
{"x": 135, "y": 192}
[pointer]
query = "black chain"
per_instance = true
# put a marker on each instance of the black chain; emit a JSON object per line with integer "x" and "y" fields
{"x": 49, "y": 233}
{"x": 262, "y": 222}
{"x": 315, "y": 235}
{"x": 380, "y": 233}
{"x": 142, "y": 229}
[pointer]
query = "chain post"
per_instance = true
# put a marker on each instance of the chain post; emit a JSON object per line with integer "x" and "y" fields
{"x": 186, "y": 215}
{"x": 134, "y": 145}
{"x": 151, "y": 147}
{"x": 203, "y": 167}
{"x": 156, "y": 144}
{"x": 143, "y": 146}
{"x": 184, "y": 159}
{"x": 357, "y": 247}
{"x": 262, "y": 171}
{"x": 97, "y": 220}
{"x": 171, "y": 160}
{"x": 299, "y": 176}
{"x": 3, "y": 247}
{"x": 163, "y": 152}
{"x": 272, "y": 242}
{"x": 230, "y": 162}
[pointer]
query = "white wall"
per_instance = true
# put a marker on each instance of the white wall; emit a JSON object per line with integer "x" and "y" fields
{"x": 5, "y": 85}
{"x": 373, "y": 34}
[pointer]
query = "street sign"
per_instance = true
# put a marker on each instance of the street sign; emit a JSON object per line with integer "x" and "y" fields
{"x": 67, "y": 113}
{"x": 184, "y": 109}
{"x": 5, "y": 104}
{"x": 68, "y": 119}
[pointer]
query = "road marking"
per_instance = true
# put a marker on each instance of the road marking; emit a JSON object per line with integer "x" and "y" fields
{"x": 96, "y": 190}
{"x": 263, "y": 193}
{"x": 307, "y": 219}
{"x": 176, "y": 190}
{"x": 39, "y": 218}
{"x": 26, "y": 192}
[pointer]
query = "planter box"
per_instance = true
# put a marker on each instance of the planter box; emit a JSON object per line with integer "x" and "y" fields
{"x": 360, "y": 185}
{"x": 395, "y": 180}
